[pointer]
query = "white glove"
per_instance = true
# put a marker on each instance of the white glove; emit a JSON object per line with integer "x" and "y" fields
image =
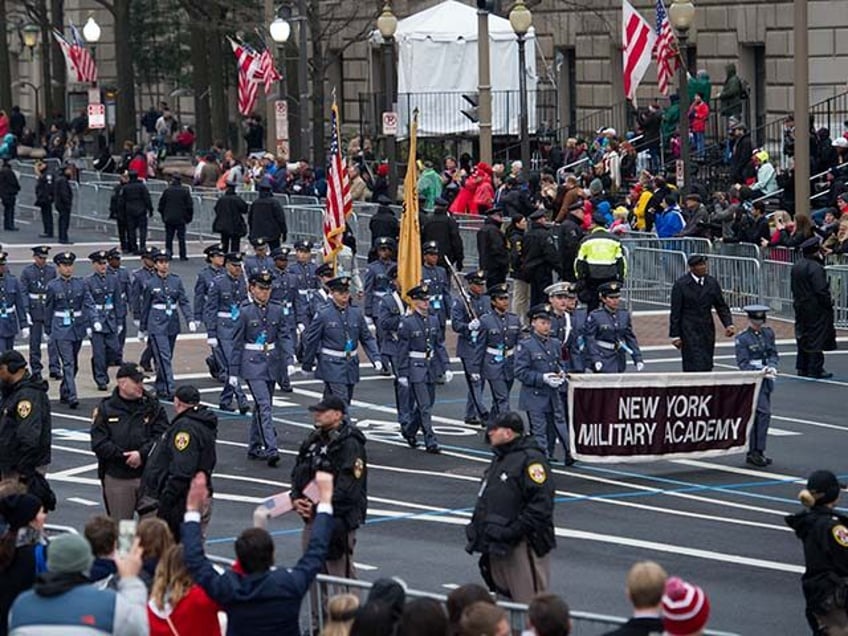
{"x": 291, "y": 370}
{"x": 120, "y": 329}
{"x": 137, "y": 323}
{"x": 300, "y": 328}
{"x": 475, "y": 377}
{"x": 640, "y": 366}
{"x": 45, "y": 337}
{"x": 474, "y": 325}
{"x": 212, "y": 342}
{"x": 25, "y": 332}
{"x": 553, "y": 380}
{"x": 770, "y": 372}
{"x": 369, "y": 321}
{"x": 448, "y": 376}
{"x": 378, "y": 365}
{"x": 599, "y": 366}
{"x": 88, "y": 332}
{"x": 29, "y": 320}
{"x": 142, "y": 337}
{"x": 192, "y": 326}
{"x": 233, "y": 381}
{"x": 404, "y": 382}
{"x": 98, "y": 327}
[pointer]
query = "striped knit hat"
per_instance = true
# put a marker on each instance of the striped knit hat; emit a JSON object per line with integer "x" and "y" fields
{"x": 685, "y": 608}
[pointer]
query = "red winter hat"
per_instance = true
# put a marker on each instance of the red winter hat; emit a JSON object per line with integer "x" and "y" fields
{"x": 484, "y": 167}
{"x": 383, "y": 170}
{"x": 685, "y": 607}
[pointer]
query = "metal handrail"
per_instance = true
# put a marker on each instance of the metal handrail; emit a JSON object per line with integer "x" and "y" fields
{"x": 771, "y": 195}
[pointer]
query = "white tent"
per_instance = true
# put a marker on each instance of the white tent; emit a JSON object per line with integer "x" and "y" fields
{"x": 437, "y": 63}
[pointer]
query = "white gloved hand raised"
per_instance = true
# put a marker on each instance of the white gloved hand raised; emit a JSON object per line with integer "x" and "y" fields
{"x": 300, "y": 328}
{"x": 640, "y": 366}
{"x": 403, "y": 381}
{"x": 378, "y": 365}
{"x": 448, "y": 376}
{"x": 233, "y": 381}
{"x": 212, "y": 342}
{"x": 25, "y": 332}
{"x": 599, "y": 366}
{"x": 192, "y": 326}
{"x": 474, "y": 325}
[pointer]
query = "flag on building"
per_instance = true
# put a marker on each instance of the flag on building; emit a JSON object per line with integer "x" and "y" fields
{"x": 638, "y": 40}
{"x": 666, "y": 50}
{"x": 267, "y": 71}
{"x": 409, "y": 249}
{"x": 339, "y": 201}
{"x": 79, "y": 62}
{"x": 249, "y": 76}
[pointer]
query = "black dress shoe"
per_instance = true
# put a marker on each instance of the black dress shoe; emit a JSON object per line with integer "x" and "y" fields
{"x": 55, "y": 376}
{"x": 472, "y": 421}
{"x": 73, "y": 405}
{"x": 183, "y": 258}
{"x": 569, "y": 460}
{"x": 286, "y": 388}
{"x": 256, "y": 458}
{"x": 66, "y": 242}
{"x": 824, "y": 375}
{"x": 229, "y": 408}
{"x": 102, "y": 387}
{"x": 434, "y": 450}
{"x": 273, "y": 460}
{"x": 244, "y": 410}
{"x": 50, "y": 236}
{"x": 411, "y": 441}
{"x": 756, "y": 459}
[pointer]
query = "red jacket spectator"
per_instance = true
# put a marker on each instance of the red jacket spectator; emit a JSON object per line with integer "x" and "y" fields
{"x": 195, "y": 615}
{"x": 139, "y": 164}
{"x": 699, "y": 112}
{"x": 464, "y": 200}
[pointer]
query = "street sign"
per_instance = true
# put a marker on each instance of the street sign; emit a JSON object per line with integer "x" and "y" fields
{"x": 283, "y": 148}
{"x": 679, "y": 174}
{"x": 281, "y": 119}
{"x": 96, "y": 116}
{"x": 390, "y": 123}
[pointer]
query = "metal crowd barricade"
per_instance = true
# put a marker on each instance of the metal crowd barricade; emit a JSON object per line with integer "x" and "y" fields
{"x": 688, "y": 245}
{"x": 776, "y": 287}
{"x": 781, "y": 254}
{"x": 304, "y": 223}
{"x": 740, "y": 250}
{"x": 651, "y": 274}
{"x": 26, "y": 196}
{"x": 838, "y": 277}
{"x": 297, "y": 199}
{"x": 739, "y": 279}
{"x": 647, "y": 242}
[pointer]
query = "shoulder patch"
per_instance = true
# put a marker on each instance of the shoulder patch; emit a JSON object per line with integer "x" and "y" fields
{"x": 358, "y": 468}
{"x": 840, "y": 535}
{"x": 24, "y": 409}
{"x": 536, "y": 471}
{"x": 182, "y": 440}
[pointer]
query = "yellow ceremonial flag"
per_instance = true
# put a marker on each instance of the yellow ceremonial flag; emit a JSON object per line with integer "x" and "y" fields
{"x": 409, "y": 248}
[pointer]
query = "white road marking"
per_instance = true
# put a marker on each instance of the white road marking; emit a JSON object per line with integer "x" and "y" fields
{"x": 83, "y": 502}
{"x": 782, "y": 432}
{"x": 695, "y": 463}
{"x": 70, "y": 472}
{"x": 796, "y": 420}
{"x": 365, "y": 567}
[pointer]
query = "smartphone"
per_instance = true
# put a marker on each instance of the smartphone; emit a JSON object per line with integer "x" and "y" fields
{"x": 126, "y": 535}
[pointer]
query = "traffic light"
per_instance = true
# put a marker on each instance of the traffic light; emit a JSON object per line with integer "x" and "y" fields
{"x": 473, "y": 113}
{"x": 486, "y": 5}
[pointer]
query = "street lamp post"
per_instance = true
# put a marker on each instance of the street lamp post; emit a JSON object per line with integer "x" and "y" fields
{"x": 91, "y": 32}
{"x": 681, "y": 13}
{"x": 280, "y": 31}
{"x": 520, "y": 18}
{"x": 303, "y": 81}
{"x": 387, "y": 26}
{"x": 484, "y": 82}
{"x": 30, "y": 34}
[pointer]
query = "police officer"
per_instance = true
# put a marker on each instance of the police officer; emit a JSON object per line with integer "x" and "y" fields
{"x": 824, "y": 533}
{"x": 224, "y": 299}
{"x": 12, "y": 307}
{"x": 338, "y": 447}
{"x": 125, "y": 285}
{"x": 492, "y": 248}
{"x": 186, "y": 448}
{"x": 513, "y": 521}
{"x": 214, "y": 268}
{"x": 260, "y": 259}
{"x": 540, "y": 256}
{"x": 109, "y": 314}
{"x": 376, "y": 282}
{"x": 124, "y": 428}
{"x": 333, "y": 337}
{"x": 262, "y": 343}
{"x": 492, "y": 358}
{"x": 302, "y": 279}
{"x": 34, "y": 279}
{"x": 467, "y": 328}
{"x": 539, "y": 368}
{"x": 25, "y": 424}
{"x": 139, "y": 279}
{"x": 422, "y": 358}
{"x": 390, "y": 310}
{"x": 609, "y": 334}
{"x": 283, "y": 293}
{"x": 161, "y": 297}
{"x": 756, "y": 351}
{"x": 70, "y": 306}
{"x": 600, "y": 259}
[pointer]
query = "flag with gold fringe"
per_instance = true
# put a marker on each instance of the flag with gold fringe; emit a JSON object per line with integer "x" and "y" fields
{"x": 409, "y": 249}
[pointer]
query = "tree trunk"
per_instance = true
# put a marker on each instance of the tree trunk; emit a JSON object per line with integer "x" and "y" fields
{"x": 5, "y": 70}
{"x": 125, "y": 124}
{"x": 57, "y": 63}
{"x": 45, "y": 94}
{"x": 200, "y": 80}
{"x": 216, "y": 81}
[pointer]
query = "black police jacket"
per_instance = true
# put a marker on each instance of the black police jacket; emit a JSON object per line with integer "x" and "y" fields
{"x": 176, "y": 206}
{"x": 121, "y": 425}
{"x": 342, "y": 453}
{"x": 540, "y": 252}
{"x": 267, "y": 219}
{"x": 825, "y": 537}
{"x": 25, "y": 427}
{"x": 492, "y": 248}
{"x": 230, "y": 213}
{"x": 515, "y": 502}
{"x": 135, "y": 199}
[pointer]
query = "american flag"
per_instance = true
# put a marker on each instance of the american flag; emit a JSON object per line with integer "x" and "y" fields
{"x": 249, "y": 76}
{"x": 666, "y": 52}
{"x": 639, "y": 39}
{"x": 267, "y": 70}
{"x": 79, "y": 62}
{"x": 339, "y": 202}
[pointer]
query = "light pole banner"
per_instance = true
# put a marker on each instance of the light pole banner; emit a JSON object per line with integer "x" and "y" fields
{"x": 647, "y": 417}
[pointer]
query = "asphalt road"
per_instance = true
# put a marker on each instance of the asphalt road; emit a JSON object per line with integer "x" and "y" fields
{"x": 715, "y": 522}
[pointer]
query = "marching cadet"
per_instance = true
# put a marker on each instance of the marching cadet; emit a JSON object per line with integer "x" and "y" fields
{"x": 539, "y": 368}
{"x": 283, "y": 293}
{"x": 492, "y": 358}
{"x": 34, "y": 279}
{"x": 756, "y": 350}
{"x": 125, "y": 285}
{"x": 338, "y": 447}
{"x": 162, "y": 295}
{"x": 214, "y": 268}
{"x": 333, "y": 337}
{"x": 421, "y": 359}
{"x": 70, "y": 306}
{"x": 467, "y": 328}
{"x": 109, "y": 313}
{"x": 262, "y": 343}
{"x": 302, "y": 279}
{"x": 609, "y": 334}
{"x": 12, "y": 307}
{"x": 390, "y": 310}
{"x": 224, "y": 298}
{"x": 438, "y": 283}
{"x": 513, "y": 521}
{"x": 260, "y": 260}
{"x": 139, "y": 279}
{"x": 321, "y": 297}
{"x": 377, "y": 283}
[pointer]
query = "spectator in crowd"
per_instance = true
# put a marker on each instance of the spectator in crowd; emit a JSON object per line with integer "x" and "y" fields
{"x": 651, "y": 122}
{"x": 373, "y": 618}
{"x": 341, "y": 611}
{"x": 462, "y": 597}
{"x": 766, "y": 180}
{"x": 22, "y": 548}
{"x": 380, "y": 187}
{"x": 685, "y": 608}
{"x": 484, "y": 619}
{"x": 548, "y": 615}
{"x": 493, "y": 250}
{"x": 155, "y": 538}
{"x": 9, "y": 188}
{"x": 63, "y": 596}
{"x": 758, "y": 231}
{"x": 422, "y": 617}
{"x": 669, "y": 222}
{"x": 697, "y": 218}
{"x": 443, "y": 228}
{"x": 254, "y": 133}
{"x": 230, "y": 213}
{"x": 429, "y": 185}
{"x": 178, "y": 606}
{"x": 17, "y": 122}
{"x": 645, "y": 588}
{"x": 358, "y": 187}
{"x": 101, "y": 532}
{"x": 177, "y": 210}
{"x": 266, "y": 217}
{"x": 732, "y": 94}
{"x": 837, "y": 243}
{"x": 184, "y": 140}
